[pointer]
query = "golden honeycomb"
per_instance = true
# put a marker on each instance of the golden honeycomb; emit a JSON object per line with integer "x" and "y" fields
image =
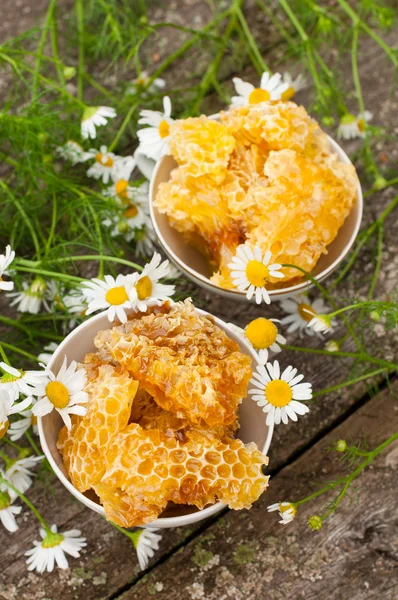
{"x": 146, "y": 470}
{"x": 111, "y": 395}
{"x": 164, "y": 391}
{"x": 182, "y": 359}
{"x": 204, "y": 144}
{"x": 283, "y": 190}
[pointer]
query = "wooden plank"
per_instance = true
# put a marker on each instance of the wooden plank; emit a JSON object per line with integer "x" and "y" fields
{"x": 97, "y": 574}
{"x": 249, "y": 556}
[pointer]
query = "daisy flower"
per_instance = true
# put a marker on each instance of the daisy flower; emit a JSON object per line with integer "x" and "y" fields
{"x": 19, "y": 428}
{"x": 9, "y": 406}
{"x": 131, "y": 218}
{"x": 263, "y": 335}
{"x": 301, "y": 312}
{"x": 64, "y": 392}
{"x": 73, "y": 152}
{"x": 8, "y": 512}
{"x": 250, "y": 271}
{"x": 146, "y": 541}
{"x": 20, "y": 475}
{"x": 52, "y": 549}
{"x": 30, "y": 299}
{"x": 271, "y": 88}
{"x": 5, "y": 261}
{"x": 19, "y": 382}
{"x": 143, "y": 82}
{"x": 75, "y": 304}
{"x": 352, "y": 126}
{"x": 95, "y": 116}
{"x": 278, "y": 394}
{"x": 145, "y": 165}
{"x": 104, "y": 164}
{"x": 111, "y": 295}
{"x": 120, "y": 189}
{"x": 295, "y": 85}
{"x": 287, "y": 511}
{"x": 321, "y": 323}
{"x": 154, "y": 140}
{"x": 46, "y": 356}
{"x": 146, "y": 289}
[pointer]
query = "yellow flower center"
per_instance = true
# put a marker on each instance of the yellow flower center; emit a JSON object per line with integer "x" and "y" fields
{"x": 261, "y": 333}
{"x": 116, "y": 295}
{"x": 258, "y": 95}
{"x": 52, "y": 539}
{"x": 121, "y": 186}
{"x": 144, "y": 288}
{"x": 164, "y": 129}
{"x": 58, "y": 394}
{"x": 278, "y": 392}
{"x": 256, "y": 273}
{"x": 306, "y": 312}
{"x": 4, "y": 427}
{"x": 34, "y": 420}
{"x": 287, "y": 507}
{"x": 361, "y": 125}
{"x": 287, "y": 94}
{"x": 100, "y": 159}
{"x": 131, "y": 212}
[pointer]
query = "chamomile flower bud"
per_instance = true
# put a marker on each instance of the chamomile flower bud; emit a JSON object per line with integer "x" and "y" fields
{"x": 341, "y": 446}
{"x": 315, "y": 522}
{"x": 332, "y": 346}
{"x": 69, "y": 72}
{"x": 375, "y": 315}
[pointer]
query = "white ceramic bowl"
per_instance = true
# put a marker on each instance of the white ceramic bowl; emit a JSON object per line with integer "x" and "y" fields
{"x": 75, "y": 346}
{"x": 195, "y": 266}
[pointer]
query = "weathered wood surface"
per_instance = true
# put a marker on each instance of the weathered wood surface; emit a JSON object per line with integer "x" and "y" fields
{"x": 248, "y": 555}
{"x": 97, "y": 574}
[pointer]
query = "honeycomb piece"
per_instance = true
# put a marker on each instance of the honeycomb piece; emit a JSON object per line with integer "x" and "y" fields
{"x": 282, "y": 189}
{"x": 278, "y": 125}
{"x": 197, "y": 208}
{"x": 185, "y": 361}
{"x": 152, "y": 469}
{"x": 111, "y": 395}
{"x": 204, "y": 145}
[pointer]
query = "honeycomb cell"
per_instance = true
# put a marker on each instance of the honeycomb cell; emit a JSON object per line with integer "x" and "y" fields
{"x": 110, "y": 383}
{"x": 148, "y": 486}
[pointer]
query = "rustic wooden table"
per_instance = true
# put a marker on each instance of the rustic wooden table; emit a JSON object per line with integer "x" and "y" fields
{"x": 247, "y": 555}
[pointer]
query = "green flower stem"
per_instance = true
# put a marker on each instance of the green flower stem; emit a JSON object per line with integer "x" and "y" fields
{"x": 24, "y": 216}
{"x": 365, "y": 236}
{"x": 132, "y": 535}
{"x": 7, "y": 440}
{"x": 80, "y": 32}
{"x": 3, "y": 354}
{"x": 387, "y": 184}
{"x": 33, "y": 264}
{"x": 30, "y": 331}
{"x": 360, "y": 356}
{"x": 97, "y": 86}
{"x": 123, "y": 126}
{"x": 379, "y": 251}
{"x": 49, "y": 274}
{"x": 28, "y": 503}
{"x": 20, "y": 351}
{"x": 357, "y": 22}
{"x": 42, "y": 42}
{"x": 53, "y": 224}
{"x": 357, "y": 83}
{"x": 330, "y": 300}
{"x": 361, "y": 305}
{"x": 352, "y": 381}
{"x": 259, "y": 62}
{"x": 54, "y": 48}
{"x": 31, "y": 441}
{"x": 7, "y": 460}
{"x": 346, "y": 481}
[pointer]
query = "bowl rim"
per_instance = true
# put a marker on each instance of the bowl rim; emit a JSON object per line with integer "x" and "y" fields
{"x": 278, "y": 292}
{"x": 161, "y": 522}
